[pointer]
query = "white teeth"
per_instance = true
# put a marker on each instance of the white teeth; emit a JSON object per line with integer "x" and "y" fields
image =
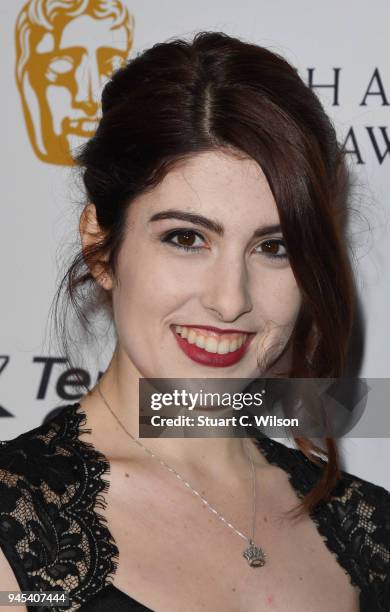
{"x": 200, "y": 341}
{"x": 233, "y": 345}
{"x": 211, "y": 344}
{"x": 191, "y": 337}
{"x": 223, "y": 347}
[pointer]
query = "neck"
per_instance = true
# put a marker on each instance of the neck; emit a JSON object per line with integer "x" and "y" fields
{"x": 214, "y": 452}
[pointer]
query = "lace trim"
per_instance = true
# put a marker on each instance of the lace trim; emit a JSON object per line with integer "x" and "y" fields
{"x": 352, "y": 523}
{"x": 50, "y": 512}
{"x": 52, "y": 483}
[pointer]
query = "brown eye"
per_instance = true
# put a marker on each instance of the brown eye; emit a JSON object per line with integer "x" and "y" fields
{"x": 274, "y": 248}
{"x": 184, "y": 239}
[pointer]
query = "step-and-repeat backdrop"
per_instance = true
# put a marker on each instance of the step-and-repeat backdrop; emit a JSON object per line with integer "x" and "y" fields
{"x": 56, "y": 56}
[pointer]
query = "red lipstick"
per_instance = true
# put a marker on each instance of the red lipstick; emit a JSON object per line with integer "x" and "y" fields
{"x": 215, "y": 360}
{"x": 218, "y": 331}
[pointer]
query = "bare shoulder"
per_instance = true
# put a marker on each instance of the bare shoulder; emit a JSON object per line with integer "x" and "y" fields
{"x": 8, "y": 581}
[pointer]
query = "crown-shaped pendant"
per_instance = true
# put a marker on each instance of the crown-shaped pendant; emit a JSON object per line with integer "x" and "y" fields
{"x": 254, "y": 555}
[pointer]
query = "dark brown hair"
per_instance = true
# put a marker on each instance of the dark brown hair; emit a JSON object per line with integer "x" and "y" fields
{"x": 181, "y": 98}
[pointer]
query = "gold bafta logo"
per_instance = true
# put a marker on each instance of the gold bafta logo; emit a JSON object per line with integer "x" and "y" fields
{"x": 65, "y": 51}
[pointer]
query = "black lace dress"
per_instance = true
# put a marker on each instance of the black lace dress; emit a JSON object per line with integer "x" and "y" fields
{"x": 54, "y": 538}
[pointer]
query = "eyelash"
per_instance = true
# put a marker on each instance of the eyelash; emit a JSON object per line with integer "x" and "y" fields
{"x": 168, "y": 239}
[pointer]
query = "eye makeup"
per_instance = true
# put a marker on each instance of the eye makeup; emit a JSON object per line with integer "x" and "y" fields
{"x": 189, "y": 235}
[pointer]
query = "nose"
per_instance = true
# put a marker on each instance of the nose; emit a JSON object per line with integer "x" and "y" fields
{"x": 227, "y": 290}
{"x": 87, "y": 85}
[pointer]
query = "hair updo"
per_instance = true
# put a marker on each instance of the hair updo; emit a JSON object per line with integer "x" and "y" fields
{"x": 181, "y": 98}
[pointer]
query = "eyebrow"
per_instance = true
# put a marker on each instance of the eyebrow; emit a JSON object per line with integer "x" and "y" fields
{"x": 214, "y": 226}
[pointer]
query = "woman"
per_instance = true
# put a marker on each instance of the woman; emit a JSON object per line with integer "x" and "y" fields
{"x": 215, "y": 220}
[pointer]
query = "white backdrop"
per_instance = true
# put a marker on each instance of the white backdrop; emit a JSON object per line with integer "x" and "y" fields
{"x": 345, "y": 46}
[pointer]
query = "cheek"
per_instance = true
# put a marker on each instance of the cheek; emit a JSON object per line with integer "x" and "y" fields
{"x": 282, "y": 301}
{"x": 280, "y": 308}
{"x": 150, "y": 290}
{"x": 147, "y": 293}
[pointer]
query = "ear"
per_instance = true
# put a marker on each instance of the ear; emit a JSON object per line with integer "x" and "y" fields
{"x": 90, "y": 234}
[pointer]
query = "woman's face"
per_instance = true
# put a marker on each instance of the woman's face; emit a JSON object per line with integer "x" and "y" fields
{"x": 197, "y": 253}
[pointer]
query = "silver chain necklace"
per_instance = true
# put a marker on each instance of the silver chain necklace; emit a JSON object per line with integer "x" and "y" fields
{"x": 253, "y": 554}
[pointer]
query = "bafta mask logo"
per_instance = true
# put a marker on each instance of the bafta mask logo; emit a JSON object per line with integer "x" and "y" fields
{"x": 65, "y": 51}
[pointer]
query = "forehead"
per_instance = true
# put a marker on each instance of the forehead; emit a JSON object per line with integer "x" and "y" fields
{"x": 216, "y": 184}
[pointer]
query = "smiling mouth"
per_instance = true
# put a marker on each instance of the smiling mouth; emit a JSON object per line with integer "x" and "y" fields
{"x": 210, "y": 346}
